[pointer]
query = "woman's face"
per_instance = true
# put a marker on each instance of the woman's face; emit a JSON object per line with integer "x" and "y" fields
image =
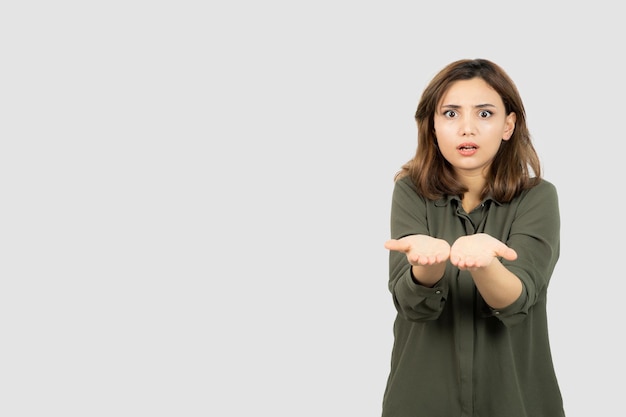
{"x": 470, "y": 123}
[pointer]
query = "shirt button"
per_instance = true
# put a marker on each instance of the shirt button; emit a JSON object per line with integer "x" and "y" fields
{"x": 438, "y": 292}
{"x": 496, "y": 312}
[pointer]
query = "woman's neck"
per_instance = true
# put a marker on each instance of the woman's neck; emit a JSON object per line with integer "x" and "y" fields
{"x": 475, "y": 186}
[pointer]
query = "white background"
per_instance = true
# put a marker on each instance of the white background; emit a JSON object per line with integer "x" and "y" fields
{"x": 194, "y": 198}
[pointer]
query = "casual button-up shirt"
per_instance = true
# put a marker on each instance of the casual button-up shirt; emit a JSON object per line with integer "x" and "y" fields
{"x": 454, "y": 355}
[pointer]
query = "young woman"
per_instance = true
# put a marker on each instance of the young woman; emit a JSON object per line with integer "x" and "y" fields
{"x": 475, "y": 239}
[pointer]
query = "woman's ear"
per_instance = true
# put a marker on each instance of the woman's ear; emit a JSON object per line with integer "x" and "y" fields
{"x": 509, "y": 126}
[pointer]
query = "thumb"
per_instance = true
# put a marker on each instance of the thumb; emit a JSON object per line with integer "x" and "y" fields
{"x": 507, "y": 253}
{"x": 394, "y": 244}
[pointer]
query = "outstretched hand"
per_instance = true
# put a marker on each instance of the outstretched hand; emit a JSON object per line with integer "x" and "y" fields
{"x": 467, "y": 252}
{"x": 477, "y": 251}
{"x": 421, "y": 249}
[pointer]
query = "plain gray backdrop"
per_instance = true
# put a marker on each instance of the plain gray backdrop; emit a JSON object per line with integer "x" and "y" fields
{"x": 195, "y": 197}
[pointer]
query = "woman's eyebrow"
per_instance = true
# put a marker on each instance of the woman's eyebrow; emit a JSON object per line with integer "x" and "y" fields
{"x": 476, "y": 106}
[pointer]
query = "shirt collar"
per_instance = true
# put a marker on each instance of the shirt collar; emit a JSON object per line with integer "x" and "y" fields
{"x": 444, "y": 201}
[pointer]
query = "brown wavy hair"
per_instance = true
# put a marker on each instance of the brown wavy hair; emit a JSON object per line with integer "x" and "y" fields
{"x": 515, "y": 167}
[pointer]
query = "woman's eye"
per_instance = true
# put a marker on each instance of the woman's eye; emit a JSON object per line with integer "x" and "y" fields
{"x": 484, "y": 114}
{"x": 449, "y": 113}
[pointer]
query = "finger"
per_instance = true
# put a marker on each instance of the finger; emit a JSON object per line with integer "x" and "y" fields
{"x": 443, "y": 257}
{"x": 415, "y": 260}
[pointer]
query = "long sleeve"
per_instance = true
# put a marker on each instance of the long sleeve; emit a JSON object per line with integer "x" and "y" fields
{"x": 408, "y": 217}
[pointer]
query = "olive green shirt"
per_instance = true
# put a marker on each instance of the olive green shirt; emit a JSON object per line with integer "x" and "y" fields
{"x": 453, "y": 355}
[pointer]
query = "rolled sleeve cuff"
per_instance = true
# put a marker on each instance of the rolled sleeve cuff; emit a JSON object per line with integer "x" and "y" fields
{"x": 511, "y": 314}
{"x": 418, "y": 302}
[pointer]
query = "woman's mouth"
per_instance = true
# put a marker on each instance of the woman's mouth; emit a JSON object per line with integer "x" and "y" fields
{"x": 467, "y": 149}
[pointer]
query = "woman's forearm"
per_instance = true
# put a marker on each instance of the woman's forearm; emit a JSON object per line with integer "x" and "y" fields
{"x": 498, "y": 286}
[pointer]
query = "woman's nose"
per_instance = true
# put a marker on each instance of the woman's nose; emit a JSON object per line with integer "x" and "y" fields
{"x": 467, "y": 127}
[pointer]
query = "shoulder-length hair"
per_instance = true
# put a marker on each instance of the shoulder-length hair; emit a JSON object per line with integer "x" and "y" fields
{"x": 515, "y": 167}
